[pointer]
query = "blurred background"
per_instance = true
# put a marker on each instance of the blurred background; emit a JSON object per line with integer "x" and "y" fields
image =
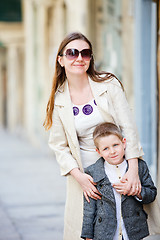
{"x": 126, "y": 41}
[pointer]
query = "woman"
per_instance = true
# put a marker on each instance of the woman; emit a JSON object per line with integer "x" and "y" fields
{"x": 81, "y": 98}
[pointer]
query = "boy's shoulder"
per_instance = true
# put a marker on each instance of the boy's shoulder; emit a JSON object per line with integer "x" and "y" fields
{"x": 96, "y": 170}
{"x": 142, "y": 168}
{"x": 142, "y": 163}
{"x": 91, "y": 167}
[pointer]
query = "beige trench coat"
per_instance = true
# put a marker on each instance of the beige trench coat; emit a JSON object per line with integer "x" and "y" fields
{"x": 112, "y": 104}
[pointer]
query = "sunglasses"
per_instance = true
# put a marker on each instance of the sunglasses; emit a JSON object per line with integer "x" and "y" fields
{"x": 73, "y": 53}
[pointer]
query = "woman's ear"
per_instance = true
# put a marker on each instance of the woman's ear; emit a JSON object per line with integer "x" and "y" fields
{"x": 60, "y": 60}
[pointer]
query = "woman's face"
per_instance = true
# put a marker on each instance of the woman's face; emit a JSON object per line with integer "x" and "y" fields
{"x": 77, "y": 65}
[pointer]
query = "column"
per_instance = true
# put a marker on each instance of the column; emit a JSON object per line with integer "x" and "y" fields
{"x": 127, "y": 49}
{"x": 29, "y": 83}
{"x": 77, "y": 15}
{"x": 42, "y": 66}
{"x": 1, "y": 91}
{"x": 12, "y": 87}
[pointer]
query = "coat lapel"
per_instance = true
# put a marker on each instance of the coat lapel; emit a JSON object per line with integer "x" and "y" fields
{"x": 63, "y": 100}
{"x": 99, "y": 90}
{"x": 124, "y": 197}
{"x": 103, "y": 183}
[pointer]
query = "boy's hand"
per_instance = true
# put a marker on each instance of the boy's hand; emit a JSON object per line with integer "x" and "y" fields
{"x": 89, "y": 239}
{"x": 120, "y": 187}
{"x": 139, "y": 196}
{"x": 123, "y": 187}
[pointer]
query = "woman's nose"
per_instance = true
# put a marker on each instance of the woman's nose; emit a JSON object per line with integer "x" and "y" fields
{"x": 80, "y": 57}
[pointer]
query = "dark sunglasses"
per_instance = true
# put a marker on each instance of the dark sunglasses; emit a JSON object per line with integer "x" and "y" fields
{"x": 73, "y": 53}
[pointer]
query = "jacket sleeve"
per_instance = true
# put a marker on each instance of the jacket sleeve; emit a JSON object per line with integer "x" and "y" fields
{"x": 149, "y": 191}
{"x": 122, "y": 115}
{"x": 89, "y": 214}
{"x": 59, "y": 144}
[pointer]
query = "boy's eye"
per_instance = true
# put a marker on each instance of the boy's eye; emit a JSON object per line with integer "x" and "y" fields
{"x": 106, "y": 148}
{"x": 116, "y": 144}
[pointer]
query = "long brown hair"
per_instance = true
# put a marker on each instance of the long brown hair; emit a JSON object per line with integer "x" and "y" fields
{"x": 60, "y": 75}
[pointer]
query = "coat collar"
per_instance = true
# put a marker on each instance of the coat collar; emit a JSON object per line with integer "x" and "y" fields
{"x": 97, "y": 170}
{"x": 62, "y": 93}
{"x": 99, "y": 176}
{"x": 98, "y": 88}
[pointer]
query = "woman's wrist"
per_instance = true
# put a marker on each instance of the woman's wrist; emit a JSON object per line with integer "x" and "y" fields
{"x": 75, "y": 172}
{"x": 133, "y": 164}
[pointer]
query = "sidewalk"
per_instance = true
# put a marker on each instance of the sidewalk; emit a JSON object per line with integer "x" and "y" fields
{"x": 32, "y": 192}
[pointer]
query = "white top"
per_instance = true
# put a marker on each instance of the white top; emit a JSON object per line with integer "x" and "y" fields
{"x": 115, "y": 173}
{"x": 86, "y": 118}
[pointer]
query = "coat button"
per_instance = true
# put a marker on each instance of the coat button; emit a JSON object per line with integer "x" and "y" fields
{"x": 101, "y": 202}
{"x": 138, "y": 213}
{"x": 99, "y": 219}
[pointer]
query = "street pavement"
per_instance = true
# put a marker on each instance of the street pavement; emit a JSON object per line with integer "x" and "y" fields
{"x": 32, "y": 192}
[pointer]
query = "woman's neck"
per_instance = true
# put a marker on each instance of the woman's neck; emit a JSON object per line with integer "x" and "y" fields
{"x": 80, "y": 91}
{"x": 77, "y": 82}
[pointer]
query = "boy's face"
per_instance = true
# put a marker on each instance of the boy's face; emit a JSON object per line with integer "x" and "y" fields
{"x": 111, "y": 148}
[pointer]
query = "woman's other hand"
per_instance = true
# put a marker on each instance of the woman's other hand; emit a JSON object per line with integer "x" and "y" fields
{"x": 87, "y": 184}
{"x": 130, "y": 183}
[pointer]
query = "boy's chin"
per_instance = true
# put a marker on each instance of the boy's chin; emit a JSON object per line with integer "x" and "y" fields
{"x": 115, "y": 161}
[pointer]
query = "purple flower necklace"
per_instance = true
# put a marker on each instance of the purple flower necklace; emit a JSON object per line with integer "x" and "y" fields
{"x": 87, "y": 109}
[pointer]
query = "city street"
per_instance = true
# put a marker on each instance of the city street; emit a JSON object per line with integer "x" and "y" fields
{"x": 32, "y": 192}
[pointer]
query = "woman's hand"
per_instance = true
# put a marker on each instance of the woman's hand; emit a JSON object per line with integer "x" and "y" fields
{"x": 130, "y": 183}
{"x": 87, "y": 184}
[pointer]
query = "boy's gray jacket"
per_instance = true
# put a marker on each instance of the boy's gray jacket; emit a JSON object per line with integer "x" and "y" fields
{"x": 100, "y": 223}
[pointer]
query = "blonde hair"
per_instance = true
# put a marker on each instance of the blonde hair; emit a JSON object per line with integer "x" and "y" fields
{"x": 106, "y": 129}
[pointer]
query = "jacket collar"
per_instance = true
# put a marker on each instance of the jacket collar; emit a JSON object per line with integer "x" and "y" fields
{"x": 98, "y": 88}
{"x": 62, "y": 93}
{"x": 98, "y": 174}
{"x": 97, "y": 170}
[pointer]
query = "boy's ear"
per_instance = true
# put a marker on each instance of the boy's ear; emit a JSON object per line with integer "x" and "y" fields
{"x": 97, "y": 151}
{"x": 124, "y": 142}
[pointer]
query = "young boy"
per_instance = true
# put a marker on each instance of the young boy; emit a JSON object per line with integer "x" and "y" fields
{"x": 115, "y": 216}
